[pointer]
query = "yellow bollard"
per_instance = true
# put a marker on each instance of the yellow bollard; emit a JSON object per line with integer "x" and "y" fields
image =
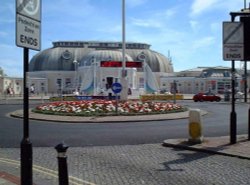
{"x": 195, "y": 126}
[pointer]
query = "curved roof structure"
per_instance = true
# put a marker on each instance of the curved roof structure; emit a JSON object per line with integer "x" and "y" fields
{"x": 103, "y": 55}
{"x": 63, "y": 53}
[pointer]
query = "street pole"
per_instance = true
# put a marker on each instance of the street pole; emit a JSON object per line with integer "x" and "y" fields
{"x": 26, "y": 145}
{"x": 244, "y": 13}
{"x": 233, "y": 115}
{"x": 245, "y": 82}
{"x": 124, "y": 83}
{"x": 123, "y": 38}
{"x": 249, "y": 123}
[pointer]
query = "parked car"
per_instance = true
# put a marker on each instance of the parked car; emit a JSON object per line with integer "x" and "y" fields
{"x": 208, "y": 96}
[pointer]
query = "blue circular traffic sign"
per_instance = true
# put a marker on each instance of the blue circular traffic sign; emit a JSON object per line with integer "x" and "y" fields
{"x": 116, "y": 87}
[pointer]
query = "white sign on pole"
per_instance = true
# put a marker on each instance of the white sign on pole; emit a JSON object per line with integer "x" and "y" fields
{"x": 28, "y": 24}
{"x": 233, "y": 41}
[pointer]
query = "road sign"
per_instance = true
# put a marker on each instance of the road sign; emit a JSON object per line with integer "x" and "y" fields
{"x": 116, "y": 87}
{"x": 28, "y": 24}
{"x": 233, "y": 41}
{"x": 29, "y": 8}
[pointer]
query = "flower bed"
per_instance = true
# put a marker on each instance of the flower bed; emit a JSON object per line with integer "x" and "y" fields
{"x": 107, "y": 107}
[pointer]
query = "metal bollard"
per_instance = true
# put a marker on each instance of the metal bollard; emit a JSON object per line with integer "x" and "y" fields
{"x": 62, "y": 164}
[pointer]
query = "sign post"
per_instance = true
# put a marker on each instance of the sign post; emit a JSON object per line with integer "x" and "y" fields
{"x": 116, "y": 88}
{"x": 28, "y": 26}
{"x": 235, "y": 48}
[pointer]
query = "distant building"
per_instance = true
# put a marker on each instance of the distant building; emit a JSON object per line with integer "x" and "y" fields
{"x": 202, "y": 79}
{"x": 11, "y": 86}
{"x": 92, "y": 67}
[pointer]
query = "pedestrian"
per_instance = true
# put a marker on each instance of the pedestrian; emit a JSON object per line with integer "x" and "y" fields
{"x": 32, "y": 89}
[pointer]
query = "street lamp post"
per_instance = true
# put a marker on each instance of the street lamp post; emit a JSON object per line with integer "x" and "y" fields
{"x": 124, "y": 92}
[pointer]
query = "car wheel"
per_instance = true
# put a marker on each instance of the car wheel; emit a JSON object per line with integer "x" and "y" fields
{"x": 218, "y": 100}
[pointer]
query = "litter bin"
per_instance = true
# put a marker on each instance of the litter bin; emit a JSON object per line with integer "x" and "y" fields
{"x": 227, "y": 96}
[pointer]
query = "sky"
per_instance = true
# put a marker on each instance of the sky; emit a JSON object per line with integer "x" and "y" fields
{"x": 190, "y": 31}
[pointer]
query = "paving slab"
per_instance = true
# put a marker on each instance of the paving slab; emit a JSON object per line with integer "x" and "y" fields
{"x": 217, "y": 145}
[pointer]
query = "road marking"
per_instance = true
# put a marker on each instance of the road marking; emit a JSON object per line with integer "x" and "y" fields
{"x": 46, "y": 171}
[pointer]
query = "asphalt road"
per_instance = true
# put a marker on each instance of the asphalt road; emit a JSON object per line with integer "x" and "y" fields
{"x": 47, "y": 134}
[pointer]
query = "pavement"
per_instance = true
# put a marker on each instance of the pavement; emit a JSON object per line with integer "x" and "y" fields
{"x": 215, "y": 145}
{"x": 214, "y": 161}
{"x": 47, "y": 174}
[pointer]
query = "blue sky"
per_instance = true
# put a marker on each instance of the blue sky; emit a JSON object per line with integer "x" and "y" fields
{"x": 190, "y": 29}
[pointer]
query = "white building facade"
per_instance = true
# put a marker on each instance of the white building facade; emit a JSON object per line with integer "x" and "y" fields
{"x": 202, "y": 79}
{"x": 92, "y": 67}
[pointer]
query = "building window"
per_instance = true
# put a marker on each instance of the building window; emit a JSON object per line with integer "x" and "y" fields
{"x": 67, "y": 82}
{"x": 42, "y": 89}
{"x": 141, "y": 82}
{"x": 59, "y": 82}
{"x": 226, "y": 74}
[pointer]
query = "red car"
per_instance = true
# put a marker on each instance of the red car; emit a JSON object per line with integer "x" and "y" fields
{"x": 206, "y": 97}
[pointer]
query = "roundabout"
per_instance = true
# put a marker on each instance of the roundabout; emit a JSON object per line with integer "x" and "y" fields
{"x": 48, "y": 130}
{"x": 102, "y": 119}
{"x": 105, "y": 111}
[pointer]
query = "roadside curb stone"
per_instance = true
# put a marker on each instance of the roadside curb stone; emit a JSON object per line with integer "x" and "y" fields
{"x": 103, "y": 119}
{"x": 215, "y": 145}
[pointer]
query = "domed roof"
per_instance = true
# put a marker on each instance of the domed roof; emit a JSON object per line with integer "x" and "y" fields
{"x": 62, "y": 55}
{"x": 103, "y": 55}
{"x": 156, "y": 61}
{"x": 59, "y": 58}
